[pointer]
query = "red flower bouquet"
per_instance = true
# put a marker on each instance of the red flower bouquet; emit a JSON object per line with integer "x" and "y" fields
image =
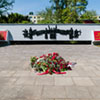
{"x": 49, "y": 64}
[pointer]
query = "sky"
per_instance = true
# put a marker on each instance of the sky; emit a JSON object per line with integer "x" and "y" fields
{"x": 26, "y": 6}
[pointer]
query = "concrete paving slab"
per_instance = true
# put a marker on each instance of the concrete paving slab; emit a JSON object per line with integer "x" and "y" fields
{"x": 25, "y": 81}
{"x": 53, "y": 92}
{"x": 95, "y": 92}
{"x": 96, "y": 80}
{"x": 83, "y": 81}
{"x": 30, "y": 92}
{"x": 77, "y": 92}
{"x": 45, "y": 80}
{"x": 63, "y": 81}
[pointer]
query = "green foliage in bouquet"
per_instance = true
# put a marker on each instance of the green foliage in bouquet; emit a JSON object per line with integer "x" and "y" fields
{"x": 51, "y": 62}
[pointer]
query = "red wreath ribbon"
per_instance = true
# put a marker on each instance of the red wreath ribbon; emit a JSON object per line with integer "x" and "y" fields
{"x": 47, "y": 72}
{"x": 59, "y": 72}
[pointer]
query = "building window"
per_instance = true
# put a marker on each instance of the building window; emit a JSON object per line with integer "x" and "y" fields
{"x": 38, "y": 17}
{"x": 34, "y": 17}
{"x": 34, "y": 21}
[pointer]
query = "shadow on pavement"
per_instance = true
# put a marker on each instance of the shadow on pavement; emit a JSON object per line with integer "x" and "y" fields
{"x": 4, "y": 44}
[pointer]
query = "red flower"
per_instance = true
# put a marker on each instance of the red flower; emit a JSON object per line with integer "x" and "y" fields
{"x": 41, "y": 56}
{"x": 60, "y": 60}
{"x": 33, "y": 63}
{"x": 50, "y": 63}
{"x": 49, "y": 54}
{"x": 61, "y": 67}
{"x": 61, "y": 64}
{"x": 47, "y": 66}
{"x": 53, "y": 57}
{"x": 54, "y": 62}
{"x": 44, "y": 55}
{"x": 55, "y": 54}
{"x": 38, "y": 62}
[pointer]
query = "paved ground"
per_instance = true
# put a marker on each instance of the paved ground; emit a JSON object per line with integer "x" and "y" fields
{"x": 18, "y": 82}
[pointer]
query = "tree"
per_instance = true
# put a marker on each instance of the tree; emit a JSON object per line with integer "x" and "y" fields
{"x": 5, "y": 5}
{"x": 67, "y": 11}
{"x": 69, "y": 16}
{"x": 31, "y": 13}
{"x": 58, "y": 7}
{"x": 3, "y": 19}
{"x": 89, "y": 15}
{"x": 14, "y": 18}
{"x": 47, "y": 15}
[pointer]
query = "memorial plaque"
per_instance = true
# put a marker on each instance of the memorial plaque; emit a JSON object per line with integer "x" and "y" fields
{"x": 3, "y": 35}
{"x": 96, "y": 35}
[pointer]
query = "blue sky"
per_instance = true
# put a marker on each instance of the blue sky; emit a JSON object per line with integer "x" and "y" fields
{"x": 26, "y": 6}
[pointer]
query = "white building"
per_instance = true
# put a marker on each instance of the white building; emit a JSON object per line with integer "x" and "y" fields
{"x": 98, "y": 17}
{"x": 35, "y": 18}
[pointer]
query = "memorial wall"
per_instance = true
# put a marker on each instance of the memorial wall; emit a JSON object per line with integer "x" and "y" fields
{"x": 60, "y": 32}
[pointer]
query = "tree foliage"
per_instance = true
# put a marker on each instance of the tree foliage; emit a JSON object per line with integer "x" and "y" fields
{"x": 47, "y": 15}
{"x": 5, "y": 5}
{"x": 67, "y": 11}
{"x": 14, "y": 18}
{"x": 31, "y": 13}
{"x": 89, "y": 15}
{"x": 58, "y": 7}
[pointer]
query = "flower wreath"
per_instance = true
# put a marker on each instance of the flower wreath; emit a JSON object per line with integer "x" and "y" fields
{"x": 49, "y": 64}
